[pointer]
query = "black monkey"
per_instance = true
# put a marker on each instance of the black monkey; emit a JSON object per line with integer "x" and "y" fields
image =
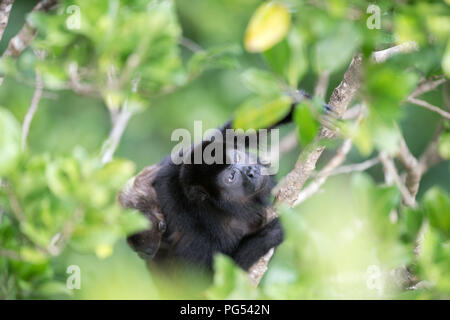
{"x": 198, "y": 210}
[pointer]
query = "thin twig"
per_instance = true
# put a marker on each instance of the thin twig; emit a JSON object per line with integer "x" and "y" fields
{"x": 118, "y": 128}
{"x": 76, "y": 85}
{"x": 353, "y": 112}
{"x": 392, "y": 176}
{"x": 322, "y": 85}
{"x": 429, "y": 106}
{"x": 414, "y": 169}
{"x": 21, "y": 40}
{"x": 383, "y": 55}
{"x": 60, "y": 239}
{"x": 323, "y": 175}
{"x": 119, "y": 120}
{"x": 5, "y": 10}
{"x": 427, "y": 85}
{"x": 14, "y": 203}
{"x": 410, "y": 164}
{"x": 10, "y": 254}
{"x": 431, "y": 156}
{"x": 191, "y": 45}
{"x": 288, "y": 143}
{"x": 32, "y": 109}
{"x": 355, "y": 167}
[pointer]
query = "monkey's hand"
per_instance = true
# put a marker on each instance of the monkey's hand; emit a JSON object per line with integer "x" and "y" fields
{"x": 258, "y": 244}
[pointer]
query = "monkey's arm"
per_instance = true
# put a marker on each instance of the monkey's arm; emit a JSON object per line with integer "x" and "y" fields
{"x": 258, "y": 244}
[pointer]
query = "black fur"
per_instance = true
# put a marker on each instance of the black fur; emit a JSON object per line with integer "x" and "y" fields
{"x": 204, "y": 223}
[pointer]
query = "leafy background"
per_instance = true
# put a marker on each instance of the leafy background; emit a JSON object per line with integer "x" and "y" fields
{"x": 57, "y": 200}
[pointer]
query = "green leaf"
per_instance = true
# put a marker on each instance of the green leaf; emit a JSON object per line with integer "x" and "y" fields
{"x": 261, "y": 82}
{"x": 148, "y": 35}
{"x": 288, "y": 58}
{"x": 334, "y": 51}
{"x": 434, "y": 260}
{"x": 278, "y": 57}
{"x": 10, "y": 134}
{"x": 230, "y": 282}
{"x": 52, "y": 289}
{"x": 115, "y": 173}
{"x": 216, "y": 57}
{"x": 61, "y": 176}
{"x": 257, "y": 113}
{"x": 95, "y": 237}
{"x": 411, "y": 220}
{"x": 386, "y": 88}
{"x": 268, "y": 26}
{"x": 360, "y": 135}
{"x": 437, "y": 205}
{"x": 132, "y": 221}
{"x": 307, "y": 124}
{"x": 298, "y": 62}
{"x": 444, "y": 145}
{"x": 32, "y": 255}
{"x": 386, "y": 138}
{"x": 385, "y": 199}
{"x": 408, "y": 27}
{"x": 446, "y": 60}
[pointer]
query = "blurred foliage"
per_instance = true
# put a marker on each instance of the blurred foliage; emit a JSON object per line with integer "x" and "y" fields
{"x": 180, "y": 61}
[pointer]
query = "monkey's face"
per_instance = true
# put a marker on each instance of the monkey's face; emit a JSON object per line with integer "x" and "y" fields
{"x": 243, "y": 178}
{"x": 241, "y": 181}
{"x": 238, "y": 179}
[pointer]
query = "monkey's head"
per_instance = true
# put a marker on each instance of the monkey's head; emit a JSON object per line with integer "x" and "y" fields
{"x": 239, "y": 180}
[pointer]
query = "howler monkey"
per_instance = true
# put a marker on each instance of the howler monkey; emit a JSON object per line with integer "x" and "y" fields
{"x": 198, "y": 210}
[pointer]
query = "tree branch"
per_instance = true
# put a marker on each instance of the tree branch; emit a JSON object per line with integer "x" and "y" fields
{"x": 119, "y": 121}
{"x": 5, "y": 10}
{"x": 323, "y": 175}
{"x": 427, "y": 85}
{"x": 77, "y": 86}
{"x": 21, "y": 40}
{"x": 32, "y": 109}
{"x": 9, "y": 254}
{"x": 16, "y": 208}
{"x": 305, "y": 165}
{"x": 118, "y": 128}
{"x": 429, "y": 106}
{"x": 322, "y": 85}
{"x": 356, "y": 167}
{"x": 306, "y": 162}
{"x": 410, "y": 164}
{"x": 383, "y": 55}
{"x": 431, "y": 156}
{"x": 391, "y": 176}
{"x": 414, "y": 169}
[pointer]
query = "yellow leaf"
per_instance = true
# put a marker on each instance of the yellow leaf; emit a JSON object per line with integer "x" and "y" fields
{"x": 268, "y": 26}
{"x": 103, "y": 250}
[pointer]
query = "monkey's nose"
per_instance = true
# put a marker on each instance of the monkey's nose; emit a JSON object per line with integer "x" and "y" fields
{"x": 252, "y": 171}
